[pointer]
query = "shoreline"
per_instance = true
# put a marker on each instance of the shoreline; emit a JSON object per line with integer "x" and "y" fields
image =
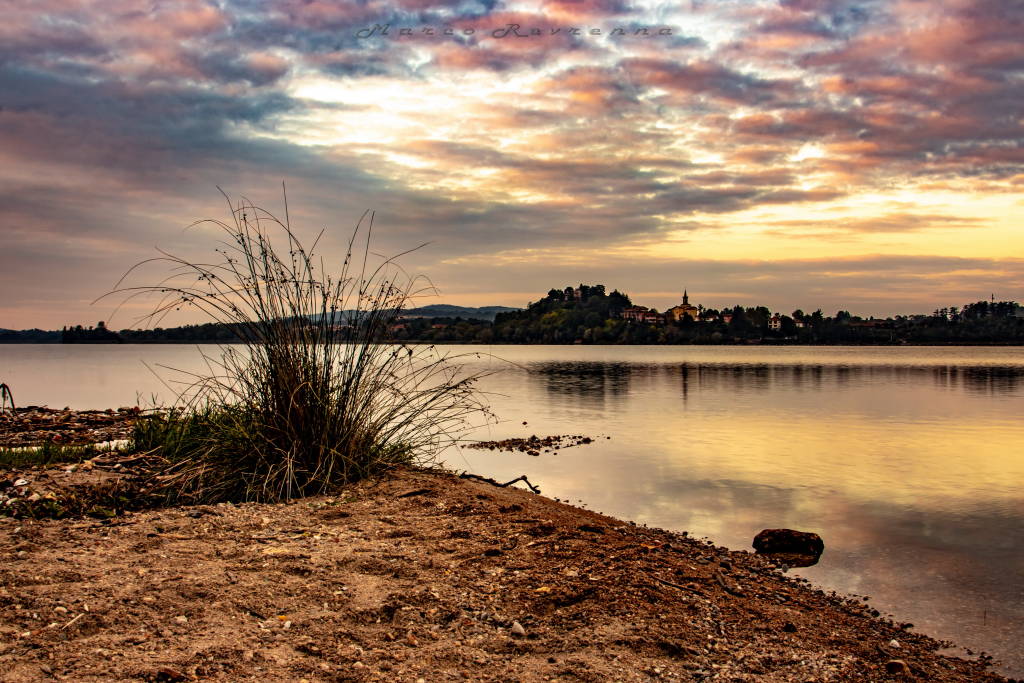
{"x": 222, "y": 342}
{"x": 423, "y": 575}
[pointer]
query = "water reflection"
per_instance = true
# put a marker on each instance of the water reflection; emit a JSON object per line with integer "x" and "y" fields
{"x": 588, "y": 381}
{"x": 606, "y": 379}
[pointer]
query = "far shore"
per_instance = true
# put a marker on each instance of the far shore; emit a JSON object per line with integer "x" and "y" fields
{"x": 765, "y": 342}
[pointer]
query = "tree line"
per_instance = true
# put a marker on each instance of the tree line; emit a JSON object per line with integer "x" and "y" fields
{"x": 589, "y": 314}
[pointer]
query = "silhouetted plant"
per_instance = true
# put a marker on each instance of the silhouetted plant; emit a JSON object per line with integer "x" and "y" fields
{"x": 314, "y": 397}
{"x": 6, "y": 399}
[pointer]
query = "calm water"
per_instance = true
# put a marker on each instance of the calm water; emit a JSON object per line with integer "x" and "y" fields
{"x": 907, "y": 461}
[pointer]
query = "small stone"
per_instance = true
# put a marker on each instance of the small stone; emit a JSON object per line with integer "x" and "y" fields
{"x": 287, "y": 625}
{"x": 166, "y": 673}
{"x": 517, "y": 629}
{"x": 896, "y": 666}
{"x": 248, "y": 655}
{"x": 21, "y": 482}
{"x": 60, "y": 610}
{"x": 358, "y": 665}
{"x": 181, "y": 619}
{"x": 894, "y": 643}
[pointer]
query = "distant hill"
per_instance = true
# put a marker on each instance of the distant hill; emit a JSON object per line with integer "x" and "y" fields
{"x": 437, "y": 311}
{"x": 448, "y": 311}
{"x": 33, "y": 336}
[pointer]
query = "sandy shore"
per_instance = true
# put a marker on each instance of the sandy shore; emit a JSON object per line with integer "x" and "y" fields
{"x": 423, "y": 576}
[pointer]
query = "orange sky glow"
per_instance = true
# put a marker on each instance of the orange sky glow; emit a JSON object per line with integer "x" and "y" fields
{"x": 857, "y": 154}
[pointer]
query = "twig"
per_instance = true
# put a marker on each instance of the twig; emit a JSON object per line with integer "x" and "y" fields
{"x": 488, "y": 480}
{"x": 725, "y": 586}
{"x": 72, "y": 621}
{"x": 669, "y": 583}
{"x": 414, "y": 492}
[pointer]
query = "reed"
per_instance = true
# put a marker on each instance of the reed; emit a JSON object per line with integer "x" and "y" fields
{"x": 315, "y": 396}
{"x": 6, "y": 399}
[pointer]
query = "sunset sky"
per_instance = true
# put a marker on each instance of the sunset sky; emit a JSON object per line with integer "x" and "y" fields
{"x": 866, "y": 154}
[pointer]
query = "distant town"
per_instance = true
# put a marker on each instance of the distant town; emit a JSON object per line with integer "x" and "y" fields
{"x": 589, "y": 314}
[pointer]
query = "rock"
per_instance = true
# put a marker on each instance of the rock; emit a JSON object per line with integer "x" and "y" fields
{"x": 21, "y": 482}
{"x": 896, "y": 667}
{"x": 894, "y": 643}
{"x": 789, "y": 542}
{"x": 517, "y": 629}
{"x": 166, "y": 673}
{"x": 789, "y": 627}
{"x": 181, "y": 619}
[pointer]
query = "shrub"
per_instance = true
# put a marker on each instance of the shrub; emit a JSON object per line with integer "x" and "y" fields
{"x": 315, "y": 396}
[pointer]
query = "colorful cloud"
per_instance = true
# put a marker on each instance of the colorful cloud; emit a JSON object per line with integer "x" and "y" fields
{"x": 622, "y": 133}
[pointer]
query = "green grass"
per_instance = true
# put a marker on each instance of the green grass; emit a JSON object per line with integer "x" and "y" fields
{"x": 315, "y": 397}
{"x": 45, "y": 455}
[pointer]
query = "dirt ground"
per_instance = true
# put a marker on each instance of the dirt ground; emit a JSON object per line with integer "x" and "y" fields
{"x": 423, "y": 576}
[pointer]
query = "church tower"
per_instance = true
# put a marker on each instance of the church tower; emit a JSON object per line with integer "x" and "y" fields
{"x": 686, "y": 299}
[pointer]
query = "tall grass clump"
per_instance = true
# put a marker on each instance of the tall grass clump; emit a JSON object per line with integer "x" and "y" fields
{"x": 315, "y": 395}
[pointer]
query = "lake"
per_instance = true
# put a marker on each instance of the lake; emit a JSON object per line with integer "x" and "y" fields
{"x": 907, "y": 461}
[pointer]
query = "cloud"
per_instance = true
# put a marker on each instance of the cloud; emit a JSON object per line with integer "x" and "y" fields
{"x": 117, "y": 124}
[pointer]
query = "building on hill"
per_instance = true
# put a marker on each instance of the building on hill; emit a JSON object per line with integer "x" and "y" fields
{"x": 642, "y": 314}
{"x": 652, "y": 318}
{"x": 634, "y": 313}
{"x": 775, "y": 322}
{"x": 676, "y": 313}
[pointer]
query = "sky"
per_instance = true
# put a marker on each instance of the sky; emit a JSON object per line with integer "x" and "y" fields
{"x": 858, "y": 154}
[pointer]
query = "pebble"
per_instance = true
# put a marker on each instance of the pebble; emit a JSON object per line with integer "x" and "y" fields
{"x": 517, "y": 629}
{"x": 181, "y": 619}
{"x": 896, "y": 666}
{"x": 894, "y": 643}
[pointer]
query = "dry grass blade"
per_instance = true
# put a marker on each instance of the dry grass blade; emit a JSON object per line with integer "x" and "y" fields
{"x": 316, "y": 395}
{"x": 6, "y": 399}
